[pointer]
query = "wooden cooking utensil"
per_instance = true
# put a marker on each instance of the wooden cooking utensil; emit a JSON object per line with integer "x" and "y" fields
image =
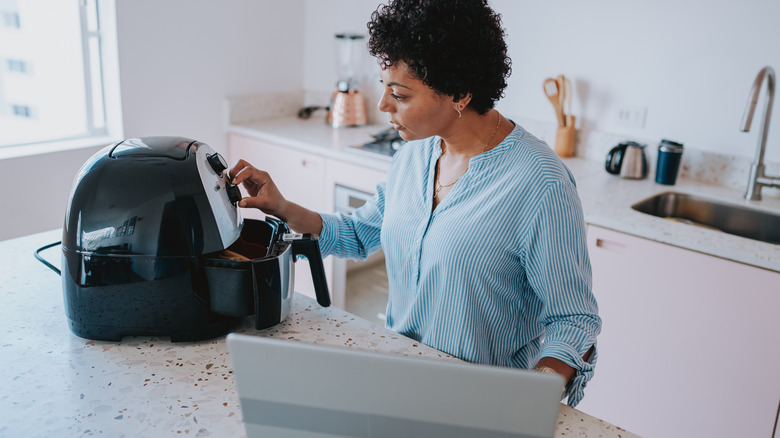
{"x": 561, "y": 80}
{"x": 553, "y": 94}
{"x": 569, "y": 118}
{"x": 564, "y": 91}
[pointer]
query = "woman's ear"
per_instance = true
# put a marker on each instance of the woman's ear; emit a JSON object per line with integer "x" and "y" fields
{"x": 462, "y": 103}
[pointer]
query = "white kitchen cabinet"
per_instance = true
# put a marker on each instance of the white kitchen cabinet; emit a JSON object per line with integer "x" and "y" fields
{"x": 300, "y": 178}
{"x": 690, "y": 343}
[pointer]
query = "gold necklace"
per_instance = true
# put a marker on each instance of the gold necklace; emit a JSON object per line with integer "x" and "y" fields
{"x": 439, "y": 185}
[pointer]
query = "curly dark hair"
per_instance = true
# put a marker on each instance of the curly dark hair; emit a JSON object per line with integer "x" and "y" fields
{"x": 455, "y": 47}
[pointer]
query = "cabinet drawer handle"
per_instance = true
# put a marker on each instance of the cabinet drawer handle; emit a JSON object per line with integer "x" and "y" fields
{"x": 610, "y": 245}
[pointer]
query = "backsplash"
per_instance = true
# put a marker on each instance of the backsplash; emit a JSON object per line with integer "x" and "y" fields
{"x": 240, "y": 110}
{"x": 593, "y": 145}
{"x": 247, "y": 109}
{"x": 706, "y": 167}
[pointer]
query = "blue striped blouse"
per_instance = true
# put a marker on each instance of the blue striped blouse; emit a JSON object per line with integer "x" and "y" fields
{"x": 498, "y": 272}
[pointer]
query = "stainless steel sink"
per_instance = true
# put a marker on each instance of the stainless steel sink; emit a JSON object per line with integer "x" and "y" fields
{"x": 732, "y": 219}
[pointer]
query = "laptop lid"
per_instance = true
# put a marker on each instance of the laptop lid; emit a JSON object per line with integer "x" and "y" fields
{"x": 291, "y": 389}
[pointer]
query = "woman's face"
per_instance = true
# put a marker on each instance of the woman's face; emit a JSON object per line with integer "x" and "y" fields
{"x": 416, "y": 111}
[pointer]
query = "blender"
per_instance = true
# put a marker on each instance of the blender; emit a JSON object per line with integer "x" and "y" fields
{"x": 348, "y": 106}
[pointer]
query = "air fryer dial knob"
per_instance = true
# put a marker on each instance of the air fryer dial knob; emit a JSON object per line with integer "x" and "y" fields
{"x": 234, "y": 194}
{"x": 217, "y": 163}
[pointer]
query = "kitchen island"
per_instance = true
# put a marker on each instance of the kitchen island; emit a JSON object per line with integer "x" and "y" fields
{"x": 57, "y": 384}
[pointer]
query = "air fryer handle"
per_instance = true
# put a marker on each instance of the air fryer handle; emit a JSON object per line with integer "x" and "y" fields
{"x": 307, "y": 245}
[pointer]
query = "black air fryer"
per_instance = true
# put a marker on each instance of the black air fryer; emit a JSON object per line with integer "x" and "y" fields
{"x": 154, "y": 245}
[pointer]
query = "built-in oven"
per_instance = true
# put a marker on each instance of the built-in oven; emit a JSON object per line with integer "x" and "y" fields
{"x": 359, "y": 282}
{"x": 348, "y": 200}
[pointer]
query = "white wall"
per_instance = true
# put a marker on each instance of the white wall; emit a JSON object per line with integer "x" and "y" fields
{"x": 36, "y": 190}
{"x": 689, "y": 63}
{"x": 180, "y": 58}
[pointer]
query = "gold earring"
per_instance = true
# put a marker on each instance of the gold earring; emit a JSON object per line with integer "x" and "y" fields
{"x": 459, "y": 114}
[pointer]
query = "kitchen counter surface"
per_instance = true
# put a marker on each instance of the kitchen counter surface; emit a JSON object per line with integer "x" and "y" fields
{"x": 606, "y": 198}
{"x": 57, "y": 384}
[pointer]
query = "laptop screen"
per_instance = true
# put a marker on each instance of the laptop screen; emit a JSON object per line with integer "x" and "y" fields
{"x": 291, "y": 389}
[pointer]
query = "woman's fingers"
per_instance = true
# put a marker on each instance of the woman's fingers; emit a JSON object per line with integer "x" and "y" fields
{"x": 240, "y": 164}
{"x": 263, "y": 193}
{"x": 252, "y": 202}
{"x": 243, "y": 171}
{"x": 251, "y": 178}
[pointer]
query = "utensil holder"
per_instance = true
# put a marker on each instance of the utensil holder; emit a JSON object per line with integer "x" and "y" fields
{"x": 565, "y": 140}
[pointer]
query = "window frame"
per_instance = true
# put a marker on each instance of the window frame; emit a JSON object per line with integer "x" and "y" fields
{"x": 111, "y": 130}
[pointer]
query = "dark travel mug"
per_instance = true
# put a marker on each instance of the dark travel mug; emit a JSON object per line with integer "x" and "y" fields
{"x": 669, "y": 155}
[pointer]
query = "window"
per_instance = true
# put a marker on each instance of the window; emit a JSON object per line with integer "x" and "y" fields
{"x": 9, "y": 18}
{"x": 57, "y": 70}
{"x": 21, "y": 110}
{"x": 17, "y": 66}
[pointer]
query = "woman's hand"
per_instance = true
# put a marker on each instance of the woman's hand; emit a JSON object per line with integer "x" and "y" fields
{"x": 263, "y": 193}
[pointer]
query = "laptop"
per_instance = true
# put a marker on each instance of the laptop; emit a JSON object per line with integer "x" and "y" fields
{"x": 291, "y": 389}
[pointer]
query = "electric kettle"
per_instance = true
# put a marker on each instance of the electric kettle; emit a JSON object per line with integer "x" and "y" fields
{"x": 627, "y": 160}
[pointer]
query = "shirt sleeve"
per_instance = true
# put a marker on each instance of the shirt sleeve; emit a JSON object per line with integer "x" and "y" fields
{"x": 559, "y": 272}
{"x": 357, "y": 235}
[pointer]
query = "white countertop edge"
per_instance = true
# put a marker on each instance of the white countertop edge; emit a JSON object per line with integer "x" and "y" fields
{"x": 698, "y": 240}
{"x": 614, "y": 212}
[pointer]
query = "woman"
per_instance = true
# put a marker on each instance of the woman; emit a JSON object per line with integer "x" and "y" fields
{"x": 480, "y": 222}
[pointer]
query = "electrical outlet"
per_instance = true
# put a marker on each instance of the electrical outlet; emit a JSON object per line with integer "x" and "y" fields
{"x": 631, "y": 116}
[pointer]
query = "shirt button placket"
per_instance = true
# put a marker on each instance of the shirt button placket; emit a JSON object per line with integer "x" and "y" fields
{"x": 417, "y": 252}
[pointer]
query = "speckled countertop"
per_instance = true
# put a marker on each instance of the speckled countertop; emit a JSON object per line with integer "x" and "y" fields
{"x": 54, "y": 383}
{"x": 606, "y": 198}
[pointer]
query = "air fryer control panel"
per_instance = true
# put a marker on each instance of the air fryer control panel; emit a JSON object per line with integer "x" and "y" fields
{"x": 220, "y": 165}
{"x": 222, "y": 195}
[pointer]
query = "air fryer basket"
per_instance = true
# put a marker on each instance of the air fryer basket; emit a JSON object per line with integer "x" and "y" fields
{"x": 258, "y": 286}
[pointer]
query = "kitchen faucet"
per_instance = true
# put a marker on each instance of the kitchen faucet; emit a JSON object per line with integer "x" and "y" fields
{"x": 758, "y": 178}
